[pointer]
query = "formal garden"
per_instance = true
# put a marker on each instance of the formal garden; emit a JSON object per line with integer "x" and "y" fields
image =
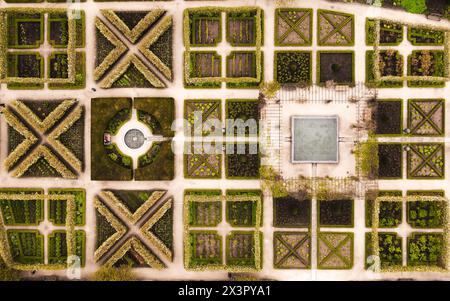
{"x": 153, "y": 152}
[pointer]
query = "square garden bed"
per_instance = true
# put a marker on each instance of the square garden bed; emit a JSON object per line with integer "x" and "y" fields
{"x": 240, "y": 113}
{"x": 390, "y": 249}
{"x": 293, "y": 67}
{"x": 387, "y": 116}
{"x": 426, "y": 161}
{"x": 428, "y": 63}
{"x": 390, "y": 63}
{"x": 390, "y": 215}
{"x": 292, "y": 250}
{"x": 390, "y": 161}
{"x": 290, "y": 212}
{"x": 335, "y": 213}
{"x": 426, "y": 249}
{"x": 242, "y": 161}
{"x": 293, "y": 26}
{"x": 244, "y": 208}
{"x": 335, "y": 28}
{"x": 426, "y": 117}
{"x": 336, "y": 66}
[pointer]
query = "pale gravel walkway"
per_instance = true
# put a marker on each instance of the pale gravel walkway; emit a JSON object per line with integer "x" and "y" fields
{"x": 176, "y": 90}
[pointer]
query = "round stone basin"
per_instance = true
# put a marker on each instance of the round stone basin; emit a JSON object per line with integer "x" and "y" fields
{"x": 134, "y": 139}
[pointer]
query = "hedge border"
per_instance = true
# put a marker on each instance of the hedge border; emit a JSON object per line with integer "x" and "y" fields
{"x": 70, "y": 231}
{"x": 278, "y": 11}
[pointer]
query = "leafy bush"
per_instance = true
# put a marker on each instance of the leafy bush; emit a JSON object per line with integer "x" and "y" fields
{"x": 425, "y": 249}
{"x": 415, "y": 6}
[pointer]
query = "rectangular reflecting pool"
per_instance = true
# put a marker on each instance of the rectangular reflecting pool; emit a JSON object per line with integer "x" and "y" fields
{"x": 315, "y": 139}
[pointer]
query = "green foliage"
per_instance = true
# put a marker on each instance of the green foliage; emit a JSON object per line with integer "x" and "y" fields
{"x": 367, "y": 154}
{"x": 8, "y": 274}
{"x": 425, "y": 249}
{"x": 415, "y": 6}
{"x": 293, "y": 67}
{"x": 426, "y": 214}
{"x": 123, "y": 273}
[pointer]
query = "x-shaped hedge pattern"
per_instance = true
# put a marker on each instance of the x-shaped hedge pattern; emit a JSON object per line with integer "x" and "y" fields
{"x": 293, "y": 27}
{"x": 335, "y": 28}
{"x": 426, "y": 161}
{"x": 292, "y": 250}
{"x": 335, "y": 250}
{"x": 148, "y": 36}
{"x": 201, "y": 164}
{"x": 207, "y": 110}
{"x": 50, "y": 146}
{"x": 132, "y": 209}
{"x": 426, "y": 117}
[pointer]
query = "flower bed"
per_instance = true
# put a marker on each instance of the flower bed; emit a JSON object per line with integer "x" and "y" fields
{"x": 22, "y": 212}
{"x": 292, "y": 250}
{"x": 425, "y": 37}
{"x": 335, "y": 213}
{"x": 206, "y": 29}
{"x": 241, "y": 247}
{"x": 390, "y": 64}
{"x": 245, "y": 110}
{"x": 150, "y": 32}
{"x": 335, "y": 250}
{"x": 390, "y": 249}
{"x": 391, "y": 34}
{"x": 210, "y": 111}
{"x": 426, "y": 161}
{"x": 57, "y": 247}
{"x": 57, "y": 209}
{"x": 335, "y": 28}
{"x": 61, "y": 123}
{"x": 428, "y": 63}
{"x": 390, "y": 215}
{"x": 293, "y": 67}
{"x": 390, "y": 161}
{"x": 336, "y": 66}
{"x": 291, "y": 212}
{"x": 426, "y": 117}
{"x": 242, "y": 161}
{"x": 242, "y": 208}
{"x": 205, "y": 213}
{"x": 387, "y": 116}
{"x": 425, "y": 249}
{"x": 293, "y": 27}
